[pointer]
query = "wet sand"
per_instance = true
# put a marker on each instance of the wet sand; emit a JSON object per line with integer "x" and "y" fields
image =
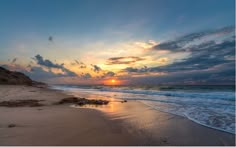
{"x": 131, "y": 123}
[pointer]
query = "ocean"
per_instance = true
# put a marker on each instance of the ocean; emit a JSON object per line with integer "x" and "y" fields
{"x": 210, "y": 106}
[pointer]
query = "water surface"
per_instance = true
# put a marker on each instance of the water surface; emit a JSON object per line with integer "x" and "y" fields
{"x": 211, "y": 106}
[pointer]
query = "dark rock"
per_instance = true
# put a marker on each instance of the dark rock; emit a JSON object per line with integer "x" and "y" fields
{"x": 21, "y": 103}
{"x": 163, "y": 139}
{"x": 68, "y": 100}
{"x": 124, "y": 101}
{"x": 82, "y": 101}
{"x": 11, "y": 126}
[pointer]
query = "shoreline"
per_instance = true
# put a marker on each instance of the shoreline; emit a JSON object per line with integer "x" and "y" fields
{"x": 193, "y": 121}
{"x": 131, "y": 123}
{"x": 189, "y": 130}
{"x": 208, "y": 126}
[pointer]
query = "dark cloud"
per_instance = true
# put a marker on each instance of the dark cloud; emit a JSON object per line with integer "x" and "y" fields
{"x": 108, "y": 74}
{"x": 124, "y": 60}
{"x": 77, "y": 62}
{"x": 86, "y": 76}
{"x": 219, "y": 74}
{"x": 68, "y": 72}
{"x": 96, "y": 68}
{"x": 179, "y": 44}
{"x": 138, "y": 70}
{"x": 37, "y": 73}
{"x": 50, "y": 39}
{"x": 212, "y": 59}
{"x": 49, "y": 64}
{"x": 204, "y": 56}
{"x": 13, "y": 60}
{"x": 80, "y": 64}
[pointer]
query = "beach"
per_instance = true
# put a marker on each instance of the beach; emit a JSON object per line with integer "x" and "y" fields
{"x": 118, "y": 123}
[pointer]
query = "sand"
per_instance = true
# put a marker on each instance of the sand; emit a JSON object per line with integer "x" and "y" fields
{"x": 131, "y": 123}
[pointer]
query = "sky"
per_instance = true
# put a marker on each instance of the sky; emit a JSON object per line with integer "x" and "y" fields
{"x": 138, "y": 42}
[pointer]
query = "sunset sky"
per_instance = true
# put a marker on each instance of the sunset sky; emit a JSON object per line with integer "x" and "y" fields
{"x": 129, "y": 41}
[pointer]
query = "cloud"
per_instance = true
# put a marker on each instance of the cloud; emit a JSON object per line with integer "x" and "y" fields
{"x": 146, "y": 45}
{"x": 96, "y": 68}
{"x": 108, "y": 74}
{"x": 86, "y": 76}
{"x": 219, "y": 74}
{"x": 38, "y": 73}
{"x": 198, "y": 39}
{"x": 80, "y": 64}
{"x": 13, "y": 60}
{"x": 204, "y": 56}
{"x": 124, "y": 60}
{"x": 49, "y": 64}
{"x": 137, "y": 70}
{"x": 50, "y": 39}
{"x": 162, "y": 60}
{"x": 211, "y": 59}
{"x": 200, "y": 57}
{"x": 68, "y": 72}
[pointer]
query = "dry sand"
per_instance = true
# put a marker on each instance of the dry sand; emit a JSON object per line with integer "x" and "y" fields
{"x": 130, "y": 123}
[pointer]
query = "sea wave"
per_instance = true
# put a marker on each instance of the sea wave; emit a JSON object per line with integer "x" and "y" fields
{"x": 215, "y": 109}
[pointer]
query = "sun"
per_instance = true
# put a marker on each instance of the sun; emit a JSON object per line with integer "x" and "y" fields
{"x": 112, "y": 82}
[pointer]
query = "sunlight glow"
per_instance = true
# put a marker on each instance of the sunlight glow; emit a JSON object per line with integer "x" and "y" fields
{"x": 113, "y": 82}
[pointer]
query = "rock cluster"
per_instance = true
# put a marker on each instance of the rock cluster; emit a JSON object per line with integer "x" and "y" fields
{"x": 82, "y": 101}
{"x": 11, "y": 126}
{"x": 21, "y": 103}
